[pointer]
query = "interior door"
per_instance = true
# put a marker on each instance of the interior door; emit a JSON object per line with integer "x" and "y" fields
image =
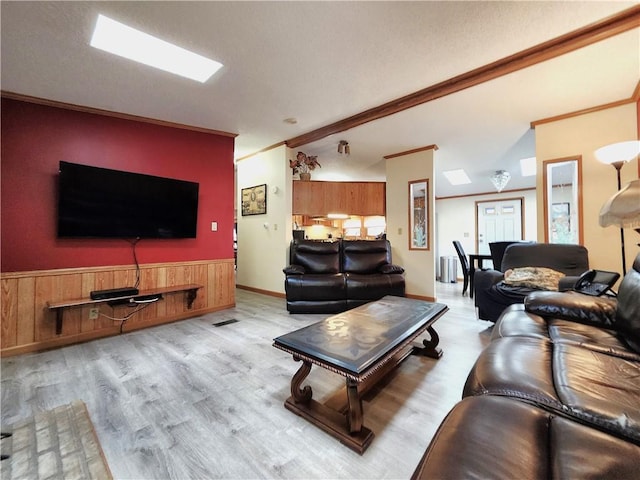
{"x": 498, "y": 220}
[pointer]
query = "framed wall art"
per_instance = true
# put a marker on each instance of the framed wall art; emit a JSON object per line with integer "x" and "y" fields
{"x": 254, "y": 200}
{"x": 418, "y": 215}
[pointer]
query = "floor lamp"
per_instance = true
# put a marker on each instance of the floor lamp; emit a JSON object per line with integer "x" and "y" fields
{"x": 623, "y": 209}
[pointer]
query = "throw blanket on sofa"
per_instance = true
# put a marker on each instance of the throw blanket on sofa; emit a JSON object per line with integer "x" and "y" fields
{"x": 541, "y": 278}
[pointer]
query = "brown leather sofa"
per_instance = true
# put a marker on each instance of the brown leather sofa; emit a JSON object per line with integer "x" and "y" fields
{"x": 331, "y": 277}
{"x": 492, "y": 295}
{"x": 556, "y": 394}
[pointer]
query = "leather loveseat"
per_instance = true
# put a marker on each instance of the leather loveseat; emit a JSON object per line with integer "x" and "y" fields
{"x": 331, "y": 277}
{"x": 492, "y": 295}
{"x": 556, "y": 393}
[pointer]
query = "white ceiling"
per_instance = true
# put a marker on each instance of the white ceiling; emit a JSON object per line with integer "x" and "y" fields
{"x": 321, "y": 62}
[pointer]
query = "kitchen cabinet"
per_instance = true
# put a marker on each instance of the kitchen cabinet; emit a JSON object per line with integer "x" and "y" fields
{"x": 354, "y": 198}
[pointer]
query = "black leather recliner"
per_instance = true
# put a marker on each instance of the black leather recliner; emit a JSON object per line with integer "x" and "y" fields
{"x": 492, "y": 295}
{"x": 331, "y": 277}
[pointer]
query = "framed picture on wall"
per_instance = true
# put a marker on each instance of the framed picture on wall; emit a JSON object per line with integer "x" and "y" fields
{"x": 254, "y": 200}
{"x": 418, "y": 214}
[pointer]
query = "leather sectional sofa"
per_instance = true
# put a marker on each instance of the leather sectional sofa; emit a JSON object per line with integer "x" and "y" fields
{"x": 556, "y": 394}
{"x": 331, "y": 277}
{"x": 492, "y": 295}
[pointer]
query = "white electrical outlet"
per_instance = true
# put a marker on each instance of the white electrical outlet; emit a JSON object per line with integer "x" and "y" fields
{"x": 214, "y": 226}
{"x": 94, "y": 313}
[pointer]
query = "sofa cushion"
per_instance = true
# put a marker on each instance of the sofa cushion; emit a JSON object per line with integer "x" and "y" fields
{"x": 515, "y": 322}
{"x": 365, "y": 256}
{"x": 502, "y": 438}
{"x": 315, "y": 287}
{"x": 316, "y": 257}
{"x": 597, "y": 388}
{"x": 526, "y": 374}
{"x": 568, "y": 259}
{"x": 374, "y": 286}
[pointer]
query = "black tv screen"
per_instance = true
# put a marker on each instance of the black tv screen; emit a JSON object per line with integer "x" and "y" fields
{"x": 98, "y": 202}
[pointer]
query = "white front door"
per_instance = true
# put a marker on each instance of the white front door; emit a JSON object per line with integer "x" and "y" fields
{"x": 498, "y": 221}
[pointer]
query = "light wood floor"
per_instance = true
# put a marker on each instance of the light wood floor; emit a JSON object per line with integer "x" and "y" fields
{"x": 192, "y": 400}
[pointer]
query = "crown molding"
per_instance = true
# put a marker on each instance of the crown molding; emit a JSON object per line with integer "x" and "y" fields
{"x": 409, "y": 152}
{"x": 108, "y": 113}
{"x": 584, "y": 111}
{"x": 265, "y": 149}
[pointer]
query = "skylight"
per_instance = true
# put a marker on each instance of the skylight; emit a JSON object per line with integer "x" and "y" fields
{"x": 457, "y": 177}
{"x": 119, "y": 39}
{"x": 528, "y": 166}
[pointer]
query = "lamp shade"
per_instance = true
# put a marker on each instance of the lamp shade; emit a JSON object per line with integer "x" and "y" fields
{"x": 623, "y": 208}
{"x": 618, "y": 152}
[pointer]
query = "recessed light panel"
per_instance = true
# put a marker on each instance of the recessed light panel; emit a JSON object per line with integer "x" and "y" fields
{"x": 120, "y": 39}
{"x": 528, "y": 166}
{"x": 457, "y": 177}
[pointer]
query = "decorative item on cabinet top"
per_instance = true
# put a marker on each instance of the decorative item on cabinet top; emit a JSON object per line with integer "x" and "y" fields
{"x": 303, "y": 165}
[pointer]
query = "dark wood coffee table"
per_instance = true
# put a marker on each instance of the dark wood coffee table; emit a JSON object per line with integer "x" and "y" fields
{"x": 363, "y": 345}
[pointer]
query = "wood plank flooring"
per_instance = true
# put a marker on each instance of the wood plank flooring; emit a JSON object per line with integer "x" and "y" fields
{"x": 194, "y": 400}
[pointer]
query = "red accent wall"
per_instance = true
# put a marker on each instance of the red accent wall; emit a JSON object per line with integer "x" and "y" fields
{"x": 35, "y": 138}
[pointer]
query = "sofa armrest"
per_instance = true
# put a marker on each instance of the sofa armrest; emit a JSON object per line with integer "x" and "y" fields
{"x": 390, "y": 268}
{"x": 294, "y": 270}
{"x": 484, "y": 279}
{"x": 573, "y": 306}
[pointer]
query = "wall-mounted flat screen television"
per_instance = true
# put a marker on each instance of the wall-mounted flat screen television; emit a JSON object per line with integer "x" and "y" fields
{"x": 96, "y": 202}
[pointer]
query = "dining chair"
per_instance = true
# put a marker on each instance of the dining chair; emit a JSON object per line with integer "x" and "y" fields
{"x": 464, "y": 263}
{"x": 497, "y": 252}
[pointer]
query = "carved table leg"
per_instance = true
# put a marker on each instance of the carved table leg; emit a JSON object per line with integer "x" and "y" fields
{"x": 301, "y": 395}
{"x": 354, "y": 415}
{"x": 431, "y": 348}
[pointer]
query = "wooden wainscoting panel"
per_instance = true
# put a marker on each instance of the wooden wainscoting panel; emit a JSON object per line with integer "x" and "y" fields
{"x": 222, "y": 284}
{"x": 88, "y": 282}
{"x": 72, "y": 288}
{"x": 9, "y": 299}
{"x": 175, "y": 276}
{"x": 161, "y": 281}
{"x": 25, "y": 319}
{"x": 125, "y": 277}
{"x": 47, "y": 289}
{"x": 27, "y": 324}
{"x": 104, "y": 280}
{"x": 200, "y": 278}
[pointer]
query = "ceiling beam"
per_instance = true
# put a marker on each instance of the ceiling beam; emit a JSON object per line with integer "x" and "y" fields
{"x": 606, "y": 28}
